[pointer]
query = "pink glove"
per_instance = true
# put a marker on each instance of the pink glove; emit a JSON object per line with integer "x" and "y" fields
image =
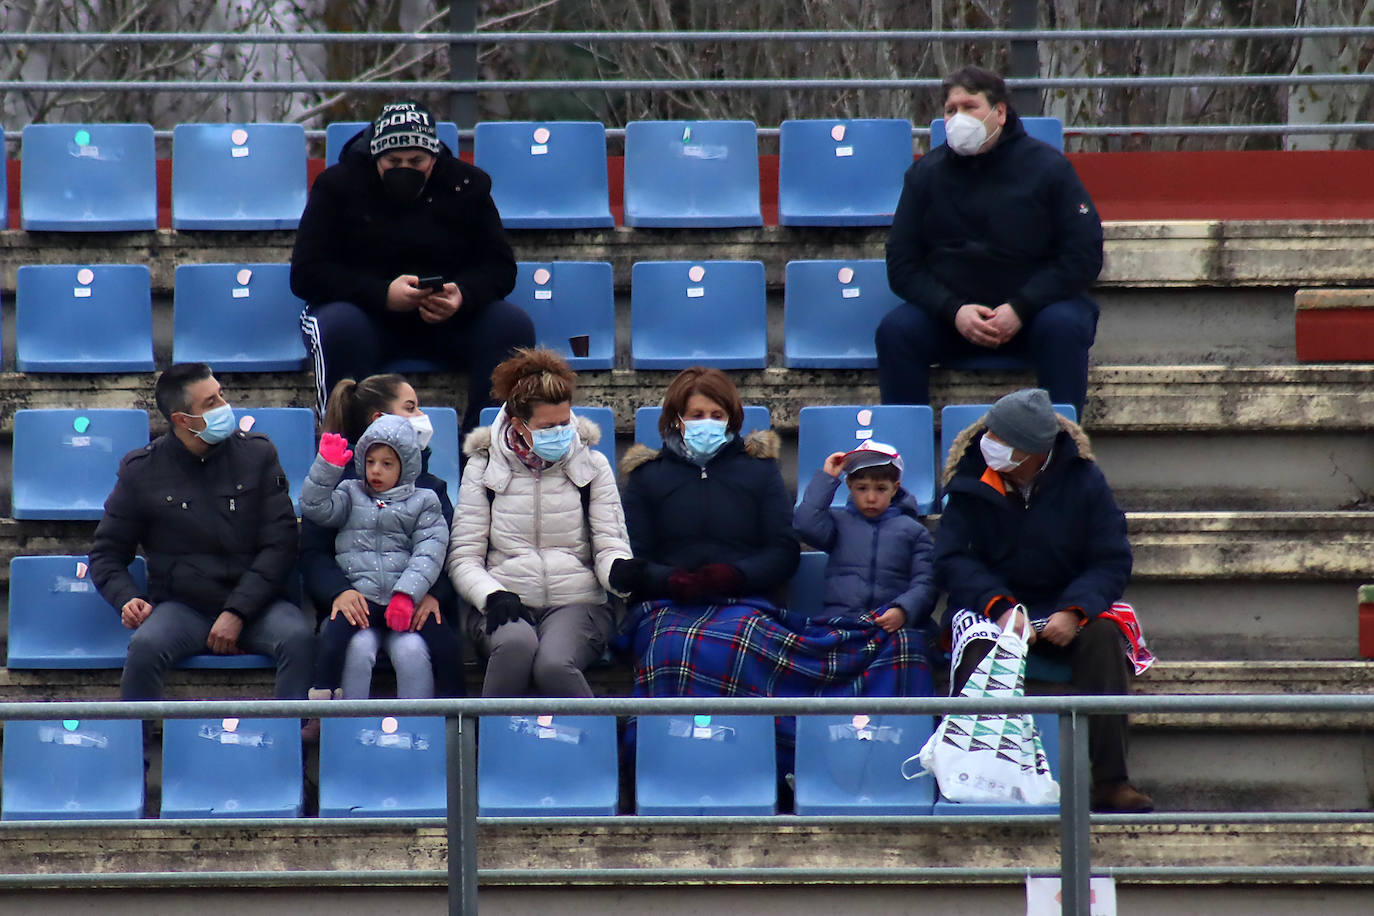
{"x": 334, "y": 449}
{"x": 399, "y": 612}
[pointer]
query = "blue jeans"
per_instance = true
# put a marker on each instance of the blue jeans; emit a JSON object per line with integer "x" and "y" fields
{"x": 348, "y": 342}
{"x": 174, "y": 632}
{"x": 1055, "y": 341}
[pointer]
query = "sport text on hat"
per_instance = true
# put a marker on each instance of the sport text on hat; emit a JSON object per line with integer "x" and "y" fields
{"x": 404, "y": 125}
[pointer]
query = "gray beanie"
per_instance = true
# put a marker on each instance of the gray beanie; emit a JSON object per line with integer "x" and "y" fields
{"x": 1025, "y": 419}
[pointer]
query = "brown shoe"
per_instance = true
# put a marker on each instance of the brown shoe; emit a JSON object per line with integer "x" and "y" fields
{"x": 1121, "y": 797}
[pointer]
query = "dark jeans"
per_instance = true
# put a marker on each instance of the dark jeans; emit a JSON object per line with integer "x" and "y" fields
{"x": 174, "y": 632}
{"x": 442, "y": 640}
{"x": 1056, "y": 341}
{"x": 1098, "y": 660}
{"x": 348, "y": 342}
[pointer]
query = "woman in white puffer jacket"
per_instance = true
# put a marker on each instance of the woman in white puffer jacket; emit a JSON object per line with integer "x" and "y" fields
{"x": 537, "y": 531}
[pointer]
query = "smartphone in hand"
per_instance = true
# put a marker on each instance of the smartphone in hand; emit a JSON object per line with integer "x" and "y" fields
{"x": 435, "y": 283}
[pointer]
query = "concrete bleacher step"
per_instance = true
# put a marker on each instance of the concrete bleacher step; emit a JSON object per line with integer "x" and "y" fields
{"x": 1208, "y": 585}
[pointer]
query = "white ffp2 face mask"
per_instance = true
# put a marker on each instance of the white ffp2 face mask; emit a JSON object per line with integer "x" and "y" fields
{"x": 998, "y": 455}
{"x": 424, "y": 430}
{"x": 965, "y": 134}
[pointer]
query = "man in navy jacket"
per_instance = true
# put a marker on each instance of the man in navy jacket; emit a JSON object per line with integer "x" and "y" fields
{"x": 993, "y": 247}
{"x": 1031, "y": 523}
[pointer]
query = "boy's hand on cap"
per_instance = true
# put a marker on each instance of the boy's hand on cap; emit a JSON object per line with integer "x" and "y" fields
{"x": 834, "y": 464}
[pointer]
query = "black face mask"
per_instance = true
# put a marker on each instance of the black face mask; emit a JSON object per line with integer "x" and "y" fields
{"x": 403, "y": 184}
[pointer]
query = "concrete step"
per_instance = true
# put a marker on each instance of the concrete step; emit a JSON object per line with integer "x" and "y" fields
{"x": 1179, "y": 253}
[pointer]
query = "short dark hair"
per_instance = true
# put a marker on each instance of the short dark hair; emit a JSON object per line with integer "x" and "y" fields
{"x": 877, "y": 472}
{"x": 707, "y": 382}
{"x": 170, "y": 390}
{"x": 974, "y": 80}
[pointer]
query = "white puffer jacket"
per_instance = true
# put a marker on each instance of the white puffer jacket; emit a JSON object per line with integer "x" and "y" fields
{"x": 530, "y": 536}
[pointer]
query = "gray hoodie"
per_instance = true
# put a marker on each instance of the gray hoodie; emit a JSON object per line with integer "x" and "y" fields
{"x": 388, "y": 542}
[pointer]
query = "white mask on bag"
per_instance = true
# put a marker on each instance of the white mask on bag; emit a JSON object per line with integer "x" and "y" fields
{"x": 998, "y": 456}
{"x": 965, "y": 134}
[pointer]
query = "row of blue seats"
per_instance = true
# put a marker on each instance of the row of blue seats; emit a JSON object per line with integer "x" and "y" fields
{"x": 527, "y": 766}
{"x": 244, "y": 318}
{"x": 553, "y": 175}
{"x": 66, "y": 461}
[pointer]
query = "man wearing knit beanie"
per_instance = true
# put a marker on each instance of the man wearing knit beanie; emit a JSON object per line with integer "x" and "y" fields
{"x": 1031, "y": 528}
{"x": 401, "y": 256}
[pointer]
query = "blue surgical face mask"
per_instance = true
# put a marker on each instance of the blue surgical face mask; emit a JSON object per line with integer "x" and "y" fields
{"x": 703, "y": 438}
{"x": 219, "y": 423}
{"x": 552, "y": 443}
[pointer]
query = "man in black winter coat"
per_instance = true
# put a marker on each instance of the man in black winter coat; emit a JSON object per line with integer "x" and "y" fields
{"x": 993, "y": 247}
{"x": 401, "y": 255}
{"x": 210, "y": 506}
{"x": 1032, "y": 526}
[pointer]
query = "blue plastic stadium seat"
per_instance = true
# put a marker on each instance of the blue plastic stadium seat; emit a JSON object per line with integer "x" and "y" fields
{"x": 603, "y": 417}
{"x": 79, "y": 318}
{"x": 443, "y": 447}
{"x": 568, "y": 299}
{"x": 692, "y": 174}
{"x": 806, "y": 589}
{"x": 238, "y": 176}
{"x": 689, "y": 313}
{"x": 842, "y": 173}
{"x": 383, "y": 767}
{"x": 1047, "y": 724}
{"x": 59, "y": 620}
{"x": 831, "y": 311}
{"x": 88, "y": 178}
{"x": 955, "y": 418}
{"x": 232, "y": 768}
{"x": 546, "y": 174}
{"x": 547, "y": 766}
{"x": 1046, "y": 130}
{"x": 706, "y": 765}
{"x": 646, "y": 423}
{"x": 910, "y": 428}
{"x": 66, "y": 461}
{"x": 852, "y": 765}
{"x": 73, "y": 769}
{"x": 340, "y": 132}
{"x": 292, "y": 431}
{"x": 237, "y": 318}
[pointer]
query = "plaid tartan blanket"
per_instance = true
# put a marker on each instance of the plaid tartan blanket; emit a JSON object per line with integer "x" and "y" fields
{"x": 754, "y": 649}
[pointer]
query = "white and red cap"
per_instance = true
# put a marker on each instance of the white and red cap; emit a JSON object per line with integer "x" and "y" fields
{"x": 871, "y": 455}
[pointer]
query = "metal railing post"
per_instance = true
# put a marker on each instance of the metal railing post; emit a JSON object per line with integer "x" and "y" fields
{"x": 461, "y": 749}
{"x": 1075, "y": 831}
{"x": 1025, "y": 57}
{"x": 462, "y": 64}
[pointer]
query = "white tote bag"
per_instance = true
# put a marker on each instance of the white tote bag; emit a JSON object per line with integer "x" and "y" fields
{"x": 991, "y": 758}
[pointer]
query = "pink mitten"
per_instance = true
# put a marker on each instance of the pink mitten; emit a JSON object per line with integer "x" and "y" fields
{"x": 399, "y": 612}
{"x": 334, "y": 449}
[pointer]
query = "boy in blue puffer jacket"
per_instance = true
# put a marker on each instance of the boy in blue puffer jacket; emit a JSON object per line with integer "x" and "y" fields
{"x": 881, "y": 557}
{"x": 392, "y": 540}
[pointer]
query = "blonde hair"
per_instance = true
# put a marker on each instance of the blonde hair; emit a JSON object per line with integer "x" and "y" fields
{"x": 530, "y": 377}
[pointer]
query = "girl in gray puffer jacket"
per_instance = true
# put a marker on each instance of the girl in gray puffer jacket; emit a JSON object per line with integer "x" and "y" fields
{"x": 392, "y": 538}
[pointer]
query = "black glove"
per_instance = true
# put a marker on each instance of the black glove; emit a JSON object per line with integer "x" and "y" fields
{"x": 502, "y": 608}
{"x": 627, "y": 575}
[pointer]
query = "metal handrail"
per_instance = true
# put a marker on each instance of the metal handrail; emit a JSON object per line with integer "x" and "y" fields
{"x": 462, "y": 820}
{"x": 765, "y": 37}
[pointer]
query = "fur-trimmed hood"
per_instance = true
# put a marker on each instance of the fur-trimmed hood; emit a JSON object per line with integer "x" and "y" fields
{"x": 961, "y": 443}
{"x": 761, "y": 443}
